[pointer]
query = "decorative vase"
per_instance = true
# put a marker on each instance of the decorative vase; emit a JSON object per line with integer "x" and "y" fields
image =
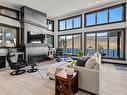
{"x": 69, "y": 71}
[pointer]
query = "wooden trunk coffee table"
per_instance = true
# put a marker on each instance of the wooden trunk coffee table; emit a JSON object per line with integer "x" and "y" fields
{"x": 66, "y": 84}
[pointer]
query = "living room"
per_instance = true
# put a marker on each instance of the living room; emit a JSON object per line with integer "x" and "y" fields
{"x": 63, "y": 47}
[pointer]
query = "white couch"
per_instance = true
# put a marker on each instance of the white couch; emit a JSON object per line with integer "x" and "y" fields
{"x": 88, "y": 78}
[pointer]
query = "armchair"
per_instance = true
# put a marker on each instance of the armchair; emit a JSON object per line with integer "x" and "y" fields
{"x": 16, "y": 66}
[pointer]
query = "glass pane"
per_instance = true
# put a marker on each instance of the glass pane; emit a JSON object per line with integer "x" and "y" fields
{"x": 69, "y": 24}
{"x": 121, "y": 35}
{"x": 77, "y": 44}
{"x": 10, "y": 36}
{"x": 90, "y": 19}
{"x": 50, "y": 40}
{"x": 1, "y": 34}
{"x": 77, "y": 22}
{"x": 116, "y": 44}
{"x": 62, "y": 42}
{"x": 102, "y": 43}
{"x": 90, "y": 43}
{"x": 69, "y": 44}
{"x": 62, "y": 25}
{"x": 102, "y": 17}
{"x": 50, "y": 25}
{"x": 116, "y": 14}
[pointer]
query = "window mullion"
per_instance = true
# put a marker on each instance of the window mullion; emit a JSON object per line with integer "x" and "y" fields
{"x": 108, "y": 16}
{"x": 65, "y": 24}
{"x": 96, "y": 41}
{"x": 3, "y": 39}
{"x": 73, "y": 23}
{"x": 96, "y": 18}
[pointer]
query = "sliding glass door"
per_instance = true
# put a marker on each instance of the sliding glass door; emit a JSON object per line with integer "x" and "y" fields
{"x": 77, "y": 44}
{"x": 90, "y": 43}
{"x": 111, "y": 44}
{"x": 116, "y": 44}
{"x": 102, "y": 43}
{"x": 71, "y": 44}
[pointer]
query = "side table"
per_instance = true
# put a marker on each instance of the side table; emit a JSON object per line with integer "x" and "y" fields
{"x": 66, "y": 84}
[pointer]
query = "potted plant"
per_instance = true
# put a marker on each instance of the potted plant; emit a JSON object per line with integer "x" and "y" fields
{"x": 63, "y": 44}
{"x": 70, "y": 68}
{"x": 101, "y": 50}
{"x": 80, "y": 54}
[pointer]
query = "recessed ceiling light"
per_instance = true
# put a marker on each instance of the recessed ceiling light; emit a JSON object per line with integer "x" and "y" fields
{"x": 97, "y": 1}
{"x": 73, "y": 9}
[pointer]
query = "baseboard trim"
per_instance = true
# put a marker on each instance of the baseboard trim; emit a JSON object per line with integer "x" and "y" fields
{"x": 88, "y": 91}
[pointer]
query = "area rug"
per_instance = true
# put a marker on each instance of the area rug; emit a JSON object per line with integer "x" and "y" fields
{"x": 121, "y": 67}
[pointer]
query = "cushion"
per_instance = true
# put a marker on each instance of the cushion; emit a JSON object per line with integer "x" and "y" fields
{"x": 96, "y": 66}
{"x": 82, "y": 61}
{"x": 91, "y": 62}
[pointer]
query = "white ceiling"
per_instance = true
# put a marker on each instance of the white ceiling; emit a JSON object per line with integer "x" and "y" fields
{"x": 55, "y": 8}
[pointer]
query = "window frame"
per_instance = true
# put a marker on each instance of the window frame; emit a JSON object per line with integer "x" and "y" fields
{"x": 65, "y": 19}
{"x": 107, "y": 8}
{"x": 10, "y": 9}
{"x": 72, "y": 39}
{"x": 101, "y": 31}
{"x": 52, "y": 24}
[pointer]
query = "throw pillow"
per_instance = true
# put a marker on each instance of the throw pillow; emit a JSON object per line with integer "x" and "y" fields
{"x": 82, "y": 61}
{"x": 96, "y": 66}
{"x": 91, "y": 62}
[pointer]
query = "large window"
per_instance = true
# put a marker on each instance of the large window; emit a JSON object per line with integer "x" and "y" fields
{"x": 70, "y": 23}
{"x": 111, "y": 44}
{"x": 102, "y": 43}
{"x": 91, "y": 19}
{"x": 77, "y": 44}
{"x": 69, "y": 41}
{"x": 62, "y": 25}
{"x": 8, "y": 37}
{"x": 90, "y": 43}
{"x": 77, "y": 22}
{"x": 102, "y": 17}
{"x": 116, "y": 14}
{"x": 71, "y": 44}
{"x": 50, "y": 24}
{"x": 106, "y": 15}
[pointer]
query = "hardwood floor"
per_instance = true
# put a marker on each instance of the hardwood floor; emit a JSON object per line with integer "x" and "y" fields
{"x": 25, "y": 84}
{"x": 113, "y": 81}
{"x": 29, "y": 84}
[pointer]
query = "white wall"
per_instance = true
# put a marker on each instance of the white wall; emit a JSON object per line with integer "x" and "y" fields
{"x": 91, "y": 29}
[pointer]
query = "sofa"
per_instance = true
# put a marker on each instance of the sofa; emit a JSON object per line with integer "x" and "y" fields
{"x": 88, "y": 76}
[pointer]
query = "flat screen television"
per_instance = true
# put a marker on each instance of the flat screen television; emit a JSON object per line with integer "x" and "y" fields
{"x": 35, "y": 38}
